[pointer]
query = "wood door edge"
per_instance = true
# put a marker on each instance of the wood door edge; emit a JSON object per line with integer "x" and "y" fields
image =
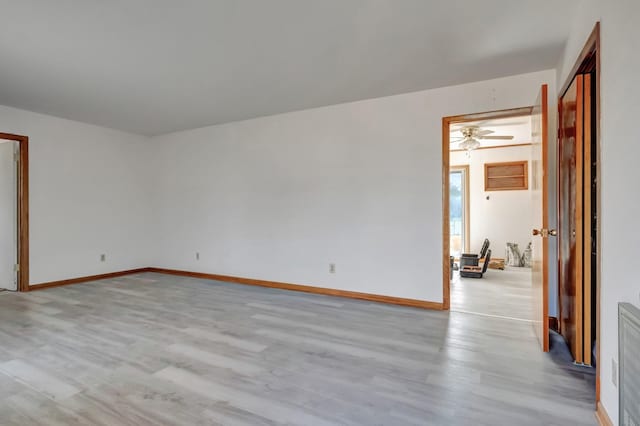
{"x": 23, "y": 209}
{"x": 545, "y": 216}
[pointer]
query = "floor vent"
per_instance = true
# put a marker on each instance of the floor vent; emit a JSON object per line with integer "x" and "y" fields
{"x": 629, "y": 341}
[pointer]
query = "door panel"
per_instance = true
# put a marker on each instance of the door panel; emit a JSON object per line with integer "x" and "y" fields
{"x": 575, "y": 224}
{"x": 8, "y": 215}
{"x": 540, "y": 216}
{"x": 570, "y": 217}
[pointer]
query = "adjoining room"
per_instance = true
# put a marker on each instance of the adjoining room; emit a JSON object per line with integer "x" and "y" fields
{"x": 490, "y": 210}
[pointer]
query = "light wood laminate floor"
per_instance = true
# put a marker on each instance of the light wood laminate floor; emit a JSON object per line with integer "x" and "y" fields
{"x": 500, "y": 293}
{"x": 153, "y": 349}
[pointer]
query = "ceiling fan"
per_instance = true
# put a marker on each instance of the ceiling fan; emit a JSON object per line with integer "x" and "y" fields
{"x": 471, "y": 136}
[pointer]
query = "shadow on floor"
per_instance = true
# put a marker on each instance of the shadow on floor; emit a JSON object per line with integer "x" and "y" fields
{"x": 560, "y": 354}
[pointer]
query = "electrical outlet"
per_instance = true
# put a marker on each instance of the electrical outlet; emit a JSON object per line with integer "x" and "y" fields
{"x": 197, "y": 255}
{"x": 103, "y": 258}
{"x": 614, "y": 372}
{"x": 332, "y": 268}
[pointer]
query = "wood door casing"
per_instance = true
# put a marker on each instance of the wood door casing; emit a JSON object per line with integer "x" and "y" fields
{"x": 540, "y": 216}
{"x": 23, "y": 208}
{"x": 587, "y": 202}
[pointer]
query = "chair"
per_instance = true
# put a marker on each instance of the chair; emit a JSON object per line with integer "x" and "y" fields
{"x": 470, "y": 271}
{"x": 470, "y": 259}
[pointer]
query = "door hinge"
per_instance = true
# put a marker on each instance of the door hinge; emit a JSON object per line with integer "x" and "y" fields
{"x": 16, "y": 267}
{"x": 16, "y": 157}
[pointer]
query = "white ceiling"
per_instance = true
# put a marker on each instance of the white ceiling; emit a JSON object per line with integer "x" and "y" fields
{"x": 157, "y": 66}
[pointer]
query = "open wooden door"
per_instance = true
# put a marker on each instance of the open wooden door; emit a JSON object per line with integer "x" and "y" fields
{"x": 575, "y": 251}
{"x": 569, "y": 260}
{"x": 540, "y": 217}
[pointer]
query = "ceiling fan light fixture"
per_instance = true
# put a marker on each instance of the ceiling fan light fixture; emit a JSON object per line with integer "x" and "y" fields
{"x": 469, "y": 144}
{"x": 471, "y": 135}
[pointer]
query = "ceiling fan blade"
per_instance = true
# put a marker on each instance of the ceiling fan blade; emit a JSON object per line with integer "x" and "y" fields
{"x": 456, "y": 139}
{"x": 500, "y": 138}
{"x": 484, "y": 132}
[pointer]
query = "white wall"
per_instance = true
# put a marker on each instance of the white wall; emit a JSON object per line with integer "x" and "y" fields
{"x": 359, "y": 185}
{"x": 273, "y": 198}
{"x": 87, "y": 196}
{"x": 620, "y": 150}
{"x": 276, "y": 198}
{"x": 8, "y": 198}
{"x": 506, "y": 215}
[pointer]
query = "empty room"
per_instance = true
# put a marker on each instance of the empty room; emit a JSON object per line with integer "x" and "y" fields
{"x": 243, "y": 212}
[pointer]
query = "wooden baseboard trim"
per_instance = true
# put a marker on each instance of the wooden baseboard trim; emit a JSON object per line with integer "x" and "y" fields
{"x": 602, "y": 416}
{"x": 79, "y": 280}
{"x": 553, "y": 324}
{"x": 423, "y": 304}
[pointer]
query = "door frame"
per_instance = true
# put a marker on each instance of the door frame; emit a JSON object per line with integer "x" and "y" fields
{"x": 446, "y": 168}
{"x": 23, "y": 208}
{"x": 589, "y": 57}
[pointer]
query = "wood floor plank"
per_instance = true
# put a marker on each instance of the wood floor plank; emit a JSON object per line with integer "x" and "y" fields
{"x": 278, "y": 411}
{"x": 221, "y": 361}
{"x": 38, "y": 379}
{"x": 215, "y": 336}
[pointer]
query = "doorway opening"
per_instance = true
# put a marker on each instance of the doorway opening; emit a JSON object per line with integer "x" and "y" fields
{"x": 507, "y": 176}
{"x": 14, "y": 212}
{"x": 461, "y": 142}
{"x": 490, "y": 206}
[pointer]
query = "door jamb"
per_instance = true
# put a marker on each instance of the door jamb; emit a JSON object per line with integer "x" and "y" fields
{"x": 23, "y": 208}
{"x": 446, "y": 168}
{"x": 592, "y": 48}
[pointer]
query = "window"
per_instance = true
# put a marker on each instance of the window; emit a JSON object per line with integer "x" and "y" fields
{"x": 459, "y": 210}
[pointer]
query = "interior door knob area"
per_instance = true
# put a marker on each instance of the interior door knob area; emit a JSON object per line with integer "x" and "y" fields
{"x": 544, "y": 233}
